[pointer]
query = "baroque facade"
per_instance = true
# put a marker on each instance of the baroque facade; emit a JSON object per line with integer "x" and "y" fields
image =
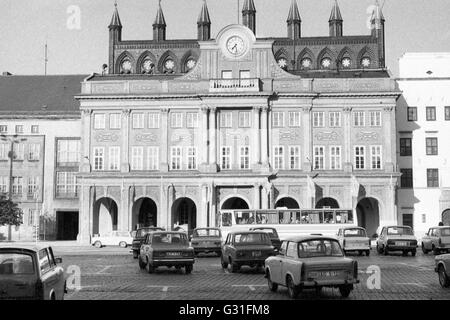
{"x": 179, "y": 130}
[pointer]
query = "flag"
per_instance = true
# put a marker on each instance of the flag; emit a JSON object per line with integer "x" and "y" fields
{"x": 355, "y": 187}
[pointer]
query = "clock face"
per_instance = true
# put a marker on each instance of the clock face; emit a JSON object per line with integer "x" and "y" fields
{"x": 365, "y": 62}
{"x": 236, "y": 45}
{"x": 126, "y": 65}
{"x": 190, "y": 64}
{"x": 326, "y": 63}
{"x": 306, "y": 63}
{"x": 147, "y": 65}
{"x": 346, "y": 62}
{"x": 169, "y": 64}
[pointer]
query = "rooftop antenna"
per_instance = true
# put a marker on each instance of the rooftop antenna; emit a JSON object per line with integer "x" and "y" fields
{"x": 45, "y": 57}
{"x": 239, "y": 6}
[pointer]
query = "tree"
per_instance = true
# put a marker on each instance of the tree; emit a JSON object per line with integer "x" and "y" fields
{"x": 10, "y": 213}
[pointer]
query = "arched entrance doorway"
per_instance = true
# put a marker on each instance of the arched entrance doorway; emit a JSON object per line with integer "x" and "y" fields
{"x": 328, "y": 203}
{"x": 368, "y": 212}
{"x": 145, "y": 213}
{"x": 446, "y": 217}
{"x": 105, "y": 216}
{"x": 235, "y": 203}
{"x": 184, "y": 213}
{"x": 288, "y": 203}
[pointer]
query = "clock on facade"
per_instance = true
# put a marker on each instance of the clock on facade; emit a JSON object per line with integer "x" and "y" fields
{"x": 236, "y": 45}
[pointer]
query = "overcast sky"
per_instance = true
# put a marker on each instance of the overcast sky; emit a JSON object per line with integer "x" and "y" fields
{"x": 411, "y": 26}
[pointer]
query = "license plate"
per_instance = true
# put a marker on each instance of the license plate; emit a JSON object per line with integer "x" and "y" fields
{"x": 173, "y": 254}
{"x": 324, "y": 274}
{"x": 256, "y": 253}
{"x": 401, "y": 243}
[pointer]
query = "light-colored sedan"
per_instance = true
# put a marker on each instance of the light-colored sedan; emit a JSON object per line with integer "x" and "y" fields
{"x": 397, "y": 238}
{"x": 354, "y": 239}
{"x": 311, "y": 262}
{"x": 443, "y": 269}
{"x": 115, "y": 238}
{"x": 437, "y": 240}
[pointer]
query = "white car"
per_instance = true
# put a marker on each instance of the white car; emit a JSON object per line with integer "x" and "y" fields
{"x": 115, "y": 238}
{"x": 354, "y": 239}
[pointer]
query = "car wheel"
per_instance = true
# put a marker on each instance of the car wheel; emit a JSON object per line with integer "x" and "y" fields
{"x": 345, "y": 290}
{"x": 224, "y": 264}
{"x": 98, "y": 244}
{"x": 178, "y": 267}
{"x": 404, "y": 253}
{"x": 141, "y": 263}
{"x": 272, "y": 285}
{"x": 188, "y": 268}
{"x": 135, "y": 254}
{"x": 435, "y": 251}
{"x": 385, "y": 250}
{"x": 234, "y": 266}
{"x": 149, "y": 267}
{"x": 292, "y": 289}
{"x": 367, "y": 253}
{"x": 413, "y": 253}
{"x": 123, "y": 244}
{"x": 444, "y": 281}
{"x": 425, "y": 251}
{"x": 379, "y": 250}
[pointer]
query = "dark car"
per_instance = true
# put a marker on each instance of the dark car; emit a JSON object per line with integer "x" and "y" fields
{"x": 138, "y": 238}
{"x": 250, "y": 248}
{"x": 206, "y": 240}
{"x": 273, "y": 235}
{"x": 170, "y": 249}
{"x": 31, "y": 273}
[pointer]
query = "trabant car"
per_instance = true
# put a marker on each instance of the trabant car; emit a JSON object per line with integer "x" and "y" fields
{"x": 397, "y": 238}
{"x": 114, "y": 238}
{"x": 250, "y": 248}
{"x": 206, "y": 240}
{"x": 170, "y": 249}
{"x": 442, "y": 263}
{"x": 311, "y": 262}
{"x": 437, "y": 240}
{"x": 354, "y": 239}
{"x": 273, "y": 235}
{"x": 31, "y": 273}
{"x": 138, "y": 238}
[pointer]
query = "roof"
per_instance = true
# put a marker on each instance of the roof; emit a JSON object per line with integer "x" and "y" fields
{"x": 352, "y": 227}
{"x": 207, "y": 228}
{"x": 294, "y": 14}
{"x": 204, "y": 14}
{"x": 246, "y": 231}
{"x": 43, "y": 94}
{"x": 12, "y": 246}
{"x": 308, "y": 237}
{"x": 115, "y": 20}
{"x": 335, "y": 13}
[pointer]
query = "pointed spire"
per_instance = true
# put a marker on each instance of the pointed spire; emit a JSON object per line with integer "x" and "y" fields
{"x": 377, "y": 13}
{"x": 249, "y": 15}
{"x": 294, "y": 14}
{"x": 204, "y": 24}
{"x": 159, "y": 26}
{"x": 115, "y": 20}
{"x": 159, "y": 20}
{"x": 204, "y": 18}
{"x": 249, "y": 5}
{"x": 335, "y": 13}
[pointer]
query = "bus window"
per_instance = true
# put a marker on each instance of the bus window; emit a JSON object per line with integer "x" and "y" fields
{"x": 316, "y": 217}
{"x": 226, "y": 219}
{"x": 328, "y": 217}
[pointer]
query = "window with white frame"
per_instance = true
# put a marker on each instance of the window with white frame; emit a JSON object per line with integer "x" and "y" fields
{"x": 318, "y": 119}
{"x": 33, "y": 186}
{"x": 335, "y": 158}
{"x": 68, "y": 151}
{"x": 360, "y": 152}
{"x": 244, "y": 119}
{"x": 33, "y": 216}
{"x": 115, "y": 121}
{"x": 99, "y": 158}
{"x": 375, "y": 157}
{"x": 359, "y": 118}
{"x": 244, "y": 158}
{"x": 114, "y": 159}
{"x": 17, "y": 185}
{"x": 335, "y": 119}
{"x": 4, "y": 184}
{"x": 294, "y": 119}
{"x": 175, "y": 158}
{"x": 66, "y": 185}
{"x": 278, "y": 119}
{"x": 375, "y": 118}
{"x": 19, "y": 128}
{"x": 137, "y": 158}
{"x": 34, "y": 129}
{"x": 192, "y": 120}
{"x": 294, "y": 157}
{"x": 226, "y": 119}
{"x": 3, "y": 129}
{"x": 225, "y": 159}
{"x": 34, "y": 152}
{"x": 153, "y": 120}
{"x": 4, "y": 150}
{"x": 99, "y": 121}
{"x": 176, "y": 120}
{"x": 278, "y": 157}
{"x": 319, "y": 158}
{"x": 192, "y": 158}
{"x": 19, "y": 151}
{"x": 153, "y": 158}
{"x": 138, "y": 120}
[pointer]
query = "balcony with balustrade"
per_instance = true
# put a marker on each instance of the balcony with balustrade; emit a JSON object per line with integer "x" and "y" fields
{"x": 235, "y": 85}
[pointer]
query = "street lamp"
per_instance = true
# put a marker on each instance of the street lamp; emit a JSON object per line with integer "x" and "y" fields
{"x": 12, "y": 140}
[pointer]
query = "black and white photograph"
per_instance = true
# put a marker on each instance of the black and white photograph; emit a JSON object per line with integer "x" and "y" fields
{"x": 236, "y": 152}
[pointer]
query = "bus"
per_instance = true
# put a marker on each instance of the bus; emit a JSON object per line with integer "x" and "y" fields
{"x": 287, "y": 222}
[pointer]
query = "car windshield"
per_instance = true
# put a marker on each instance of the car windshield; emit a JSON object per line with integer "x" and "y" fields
{"x": 271, "y": 232}
{"x": 445, "y": 232}
{"x": 319, "y": 248}
{"x": 398, "y": 231}
{"x": 169, "y": 239}
{"x": 252, "y": 238}
{"x": 206, "y": 233}
{"x": 356, "y": 232}
{"x": 16, "y": 263}
{"x": 143, "y": 232}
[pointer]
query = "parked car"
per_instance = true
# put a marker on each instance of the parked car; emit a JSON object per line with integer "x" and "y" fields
{"x": 397, "y": 238}
{"x": 138, "y": 238}
{"x": 311, "y": 262}
{"x": 354, "y": 239}
{"x": 442, "y": 263}
{"x": 170, "y": 249}
{"x": 250, "y": 248}
{"x": 114, "y": 238}
{"x": 207, "y": 240}
{"x": 273, "y": 235}
{"x": 437, "y": 240}
{"x": 31, "y": 273}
